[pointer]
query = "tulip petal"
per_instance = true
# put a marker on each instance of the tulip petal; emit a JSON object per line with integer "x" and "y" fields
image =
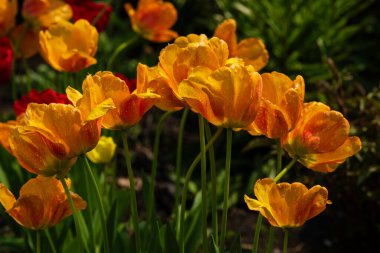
{"x": 6, "y": 197}
{"x": 227, "y": 32}
{"x": 253, "y": 52}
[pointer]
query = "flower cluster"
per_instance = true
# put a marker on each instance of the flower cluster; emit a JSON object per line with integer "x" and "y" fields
{"x": 217, "y": 78}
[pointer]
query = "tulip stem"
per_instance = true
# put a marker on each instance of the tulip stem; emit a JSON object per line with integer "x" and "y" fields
{"x": 100, "y": 205}
{"x": 178, "y": 167}
{"x": 279, "y": 156}
{"x": 101, "y": 13}
{"x": 285, "y": 170}
{"x": 226, "y": 189}
{"x": 214, "y": 211}
{"x": 38, "y": 241}
{"x": 154, "y": 164}
{"x": 75, "y": 214}
{"x": 186, "y": 186}
{"x": 15, "y": 54}
{"x": 132, "y": 194}
{"x": 269, "y": 248}
{"x": 285, "y": 245}
{"x": 120, "y": 49}
{"x": 256, "y": 236}
{"x": 203, "y": 181}
{"x": 51, "y": 243}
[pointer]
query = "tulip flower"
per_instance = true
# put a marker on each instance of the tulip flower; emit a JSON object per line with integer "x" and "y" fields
{"x": 8, "y": 11}
{"x": 69, "y": 47}
{"x": 320, "y": 139}
{"x": 47, "y": 96}
{"x": 156, "y": 80}
{"x": 227, "y": 97}
{"x": 251, "y": 50}
{"x": 177, "y": 59}
{"x": 287, "y": 205}
{"x": 103, "y": 152}
{"x": 51, "y": 137}
{"x": 130, "y": 106}
{"x": 44, "y": 13}
{"x": 153, "y": 19}
{"x": 89, "y": 10}
{"x": 6, "y": 57}
{"x": 281, "y": 105}
{"x": 42, "y": 203}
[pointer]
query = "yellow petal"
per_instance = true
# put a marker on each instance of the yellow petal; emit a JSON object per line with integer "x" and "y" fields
{"x": 73, "y": 95}
{"x": 253, "y": 52}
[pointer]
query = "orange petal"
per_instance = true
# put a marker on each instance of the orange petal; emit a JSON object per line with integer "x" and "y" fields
{"x": 227, "y": 32}
{"x": 6, "y": 197}
{"x": 253, "y": 52}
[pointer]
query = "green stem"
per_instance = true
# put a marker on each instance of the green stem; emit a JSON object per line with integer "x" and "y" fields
{"x": 185, "y": 188}
{"x": 15, "y": 54}
{"x": 154, "y": 164}
{"x": 286, "y": 237}
{"x": 203, "y": 182}
{"x": 285, "y": 170}
{"x": 89, "y": 203}
{"x": 178, "y": 167}
{"x": 214, "y": 212}
{"x": 51, "y": 243}
{"x": 120, "y": 49}
{"x": 101, "y": 13}
{"x": 269, "y": 248}
{"x": 38, "y": 241}
{"x": 226, "y": 189}
{"x": 133, "y": 200}
{"x": 256, "y": 236}
{"x": 100, "y": 205}
{"x": 279, "y": 156}
{"x": 75, "y": 214}
{"x": 27, "y": 72}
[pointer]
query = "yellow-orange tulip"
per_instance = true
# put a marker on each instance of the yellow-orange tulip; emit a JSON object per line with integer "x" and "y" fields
{"x": 281, "y": 105}
{"x": 42, "y": 203}
{"x": 287, "y": 205}
{"x": 103, "y": 86}
{"x": 44, "y": 13}
{"x": 153, "y": 19}
{"x": 177, "y": 59}
{"x": 52, "y": 136}
{"x": 227, "y": 97}
{"x": 320, "y": 139}
{"x": 8, "y": 11}
{"x": 156, "y": 80}
{"x": 5, "y": 131}
{"x": 251, "y": 50}
{"x": 103, "y": 152}
{"x": 69, "y": 47}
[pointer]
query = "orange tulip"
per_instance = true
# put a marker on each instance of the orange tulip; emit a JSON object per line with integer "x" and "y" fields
{"x": 42, "y": 203}
{"x": 52, "y": 136}
{"x": 44, "y": 13}
{"x": 281, "y": 105}
{"x": 153, "y": 19}
{"x": 69, "y": 47}
{"x": 227, "y": 97}
{"x": 157, "y": 81}
{"x": 287, "y": 205}
{"x": 129, "y": 106}
{"x": 320, "y": 139}
{"x": 177, "y": 59}
{"x": 251, "y": 50}
{"x": 8, "y": 11}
